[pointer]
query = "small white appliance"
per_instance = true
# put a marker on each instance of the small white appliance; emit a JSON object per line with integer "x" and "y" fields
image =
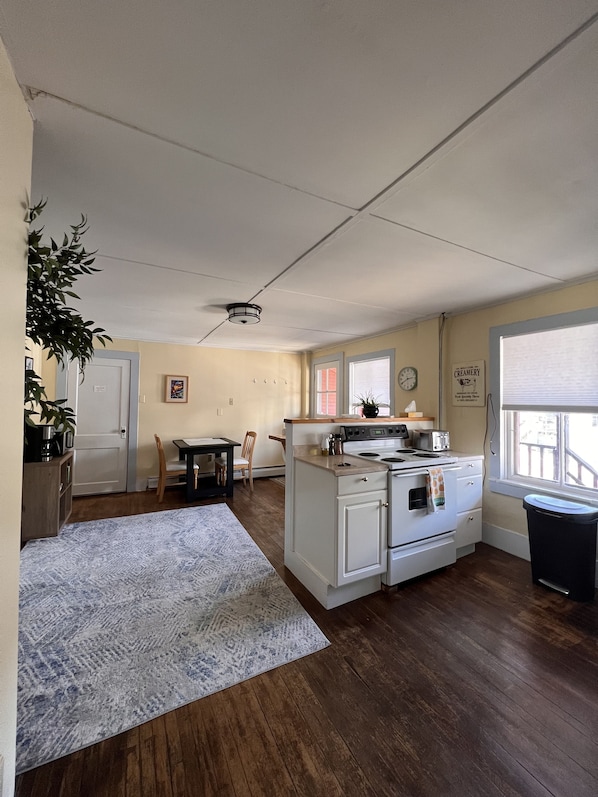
{"x": 431, "y": 440}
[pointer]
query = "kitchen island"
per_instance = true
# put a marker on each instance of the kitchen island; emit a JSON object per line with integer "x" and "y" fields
{"x": 337, "y": 515}
{"x": 303, "y": 445}
{"x": 340, "y": 525}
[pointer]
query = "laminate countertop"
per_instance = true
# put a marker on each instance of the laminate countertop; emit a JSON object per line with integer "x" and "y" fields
{"x": 334, "y": 464}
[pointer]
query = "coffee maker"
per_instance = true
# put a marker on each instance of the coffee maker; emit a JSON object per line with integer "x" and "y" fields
{"x": 38, "y": 443}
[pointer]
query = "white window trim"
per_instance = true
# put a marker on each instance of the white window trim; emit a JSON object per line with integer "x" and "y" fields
{"x": 498, "y": 482}
{"x": 372, "y": 355}
{"x": 334, "y": 359}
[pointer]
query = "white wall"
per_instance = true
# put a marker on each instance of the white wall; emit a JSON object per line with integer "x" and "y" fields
{"x": 16, "y": 133}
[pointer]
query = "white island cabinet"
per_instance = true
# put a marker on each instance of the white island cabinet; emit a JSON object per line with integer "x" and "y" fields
{"x": 339, "y": 539}
{"x": 335, "y": 522}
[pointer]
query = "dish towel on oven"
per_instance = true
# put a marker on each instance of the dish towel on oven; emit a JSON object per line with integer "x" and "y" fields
{"x": 435, "y": 489}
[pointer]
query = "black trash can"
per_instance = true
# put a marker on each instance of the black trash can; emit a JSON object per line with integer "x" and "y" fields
{"x": 562, "y": 545}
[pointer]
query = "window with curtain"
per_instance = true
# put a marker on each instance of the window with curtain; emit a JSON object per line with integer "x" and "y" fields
{"x": 371, "y": 374}
{"x": 544, "y": 378}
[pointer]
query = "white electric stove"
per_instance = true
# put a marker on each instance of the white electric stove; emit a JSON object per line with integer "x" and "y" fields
{"x": 386, "y": 444}
{"x": 419, "y": 540}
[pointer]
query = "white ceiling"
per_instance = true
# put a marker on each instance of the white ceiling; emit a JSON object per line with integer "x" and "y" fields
{"x": 351, "y": 166}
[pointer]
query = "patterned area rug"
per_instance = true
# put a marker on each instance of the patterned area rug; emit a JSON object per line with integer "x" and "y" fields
{"x": 124, "y": 619}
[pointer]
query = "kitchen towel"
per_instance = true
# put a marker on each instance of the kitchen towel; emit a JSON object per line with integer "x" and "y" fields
{"x": 435, "y": 489}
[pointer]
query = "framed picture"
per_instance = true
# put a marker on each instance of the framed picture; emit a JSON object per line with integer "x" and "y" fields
{"x": 29, "y": 363}
{"x": 177, "y": 389}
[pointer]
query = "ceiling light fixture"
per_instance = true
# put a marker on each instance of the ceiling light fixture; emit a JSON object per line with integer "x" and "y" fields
{"x": 241, "y": 313}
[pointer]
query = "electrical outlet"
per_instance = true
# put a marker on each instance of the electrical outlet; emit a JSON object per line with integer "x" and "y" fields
{"x": 230, "y": 401}
{"x": 219, "y": 411}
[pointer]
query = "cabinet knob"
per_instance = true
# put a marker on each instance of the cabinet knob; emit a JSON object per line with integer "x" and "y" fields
{"x": 470, "y": 518}
{"x": 385, "y": 503}
{"x": 364, "y": 479}
{"x": 471, "y": 484}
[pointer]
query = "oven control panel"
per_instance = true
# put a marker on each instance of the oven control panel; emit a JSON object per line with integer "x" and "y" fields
{"x": 359, "y": 434}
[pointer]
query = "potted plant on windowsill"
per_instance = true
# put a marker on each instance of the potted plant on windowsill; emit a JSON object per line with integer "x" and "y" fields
{"x": 370, "y": 404}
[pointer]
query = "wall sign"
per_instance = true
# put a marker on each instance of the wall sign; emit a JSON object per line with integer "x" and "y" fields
{"x": 469, "y": 384}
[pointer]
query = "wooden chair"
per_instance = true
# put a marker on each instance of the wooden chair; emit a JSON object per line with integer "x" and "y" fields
{"x": 173, "y": 467}
{"x": 242, "y": 463}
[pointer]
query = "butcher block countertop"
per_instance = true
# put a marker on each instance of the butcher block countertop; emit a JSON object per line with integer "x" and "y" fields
{"x": 333, "y": 464}
{"x": 357, "y": 420}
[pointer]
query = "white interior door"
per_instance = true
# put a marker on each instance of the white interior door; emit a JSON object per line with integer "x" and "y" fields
{"x": 101, "y": 404}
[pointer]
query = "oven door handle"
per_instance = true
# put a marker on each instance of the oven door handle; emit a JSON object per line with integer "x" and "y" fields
{"x": 403, "y": 474}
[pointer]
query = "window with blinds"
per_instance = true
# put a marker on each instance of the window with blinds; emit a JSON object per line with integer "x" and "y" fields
{"x": 554, "y": 369}
{"x": 544, "y": 373}
{"x": 371, "y": 374}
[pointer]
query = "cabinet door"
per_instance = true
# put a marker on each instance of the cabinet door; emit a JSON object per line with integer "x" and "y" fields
{"x": 469, "y": 528}
{"x": 361, "y": 536}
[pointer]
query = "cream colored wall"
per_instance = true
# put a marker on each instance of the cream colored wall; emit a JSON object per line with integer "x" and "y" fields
{"x": 416, "y": 345}
{"x": 16, "y": 134}
{"x": 467, "y": 338}
{"x": 265, "y": 387}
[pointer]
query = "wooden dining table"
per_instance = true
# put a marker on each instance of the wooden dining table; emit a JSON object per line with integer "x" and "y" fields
{"x": 207, "y": 487}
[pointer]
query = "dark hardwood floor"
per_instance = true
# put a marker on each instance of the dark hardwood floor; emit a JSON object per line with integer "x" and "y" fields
{"x": 472, "y": 681}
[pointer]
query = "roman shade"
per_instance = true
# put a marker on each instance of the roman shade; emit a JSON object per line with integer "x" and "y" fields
{"x": 555, "y": 370}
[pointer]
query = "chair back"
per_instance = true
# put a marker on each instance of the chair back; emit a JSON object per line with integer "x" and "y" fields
{"x": 248, "y": 444}
{"x": 161, "y": 455}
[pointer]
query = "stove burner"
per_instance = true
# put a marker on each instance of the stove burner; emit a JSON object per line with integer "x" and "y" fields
{"x": 392, "y": 459}
{"x": 428, "y": 456}
{"x": 405, "y": 451}
{"x": 368, "y": 454}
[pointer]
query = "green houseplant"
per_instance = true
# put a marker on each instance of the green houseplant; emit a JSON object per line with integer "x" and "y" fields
{"x": 60, "y": 330}
{"x": 370, "y": 404}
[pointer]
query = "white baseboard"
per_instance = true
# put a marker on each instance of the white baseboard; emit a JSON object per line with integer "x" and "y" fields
{"x": 506, "y": 540}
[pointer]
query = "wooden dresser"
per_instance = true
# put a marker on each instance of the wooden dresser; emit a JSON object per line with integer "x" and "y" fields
{"x": 47, "y": 496}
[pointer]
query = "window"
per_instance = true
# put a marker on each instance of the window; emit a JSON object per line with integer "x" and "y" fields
{"x": 326, "y": 393}
{"x": 545, "y": 372}
{"x": 371, "y": 374}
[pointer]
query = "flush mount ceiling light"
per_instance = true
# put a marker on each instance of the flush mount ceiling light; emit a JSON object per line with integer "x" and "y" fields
{"x": 241, "y": 313}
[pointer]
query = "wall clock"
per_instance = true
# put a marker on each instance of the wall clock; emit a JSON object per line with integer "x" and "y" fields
{"x": 408, "y": 377}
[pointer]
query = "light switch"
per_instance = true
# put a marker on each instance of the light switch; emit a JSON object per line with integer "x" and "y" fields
{"x": 219, "y": 411}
